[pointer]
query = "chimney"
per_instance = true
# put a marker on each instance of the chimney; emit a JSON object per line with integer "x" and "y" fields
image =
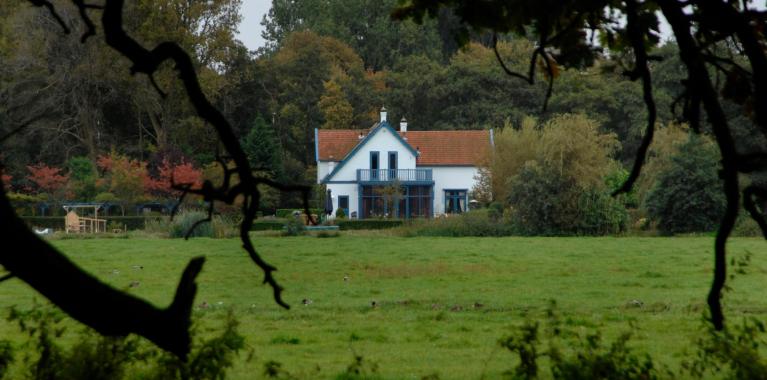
{"x": 383, "y": 114}
{"x": 403, "y": 125}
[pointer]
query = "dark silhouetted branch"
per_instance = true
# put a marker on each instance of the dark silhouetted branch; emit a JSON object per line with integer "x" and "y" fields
{"x": 641, "y": 70}
{"x": 698, "y": 74}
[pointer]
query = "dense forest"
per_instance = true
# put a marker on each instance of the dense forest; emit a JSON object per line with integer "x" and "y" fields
{"x": 84, "y": 131}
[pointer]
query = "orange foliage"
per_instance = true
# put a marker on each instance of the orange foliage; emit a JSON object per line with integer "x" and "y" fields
{"x": 48, "y": 179}
{"x": 181, "y": 174}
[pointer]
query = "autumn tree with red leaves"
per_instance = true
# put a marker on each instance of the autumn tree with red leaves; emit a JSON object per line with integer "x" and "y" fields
{"x": 48, "y": 180}
{"x": 183, "y": 173}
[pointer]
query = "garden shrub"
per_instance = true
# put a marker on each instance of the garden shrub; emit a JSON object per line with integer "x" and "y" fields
{"x": 600, "y": 214}
{"x": 182, "y": 224}
{"x": 225, "y": 226}
{"x": 267, "y": 225}
{"x": 481, "y": 222}
{"x": 340, "y": 213}
{"x": 747, "y": 227}
{"x": 688, "y": 195}
{"x": 548, "y": 203}
{"x": 294, "y": 227}
{"x": 367, "y": 224}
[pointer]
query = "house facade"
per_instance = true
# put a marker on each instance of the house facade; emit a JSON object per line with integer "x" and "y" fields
{"x": 383, "y": 172}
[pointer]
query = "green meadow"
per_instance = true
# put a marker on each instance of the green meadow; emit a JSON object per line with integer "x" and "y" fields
{"x": 441, "y": 303}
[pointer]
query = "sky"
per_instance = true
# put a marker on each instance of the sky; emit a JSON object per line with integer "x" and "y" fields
{"x": 250, "y": 26}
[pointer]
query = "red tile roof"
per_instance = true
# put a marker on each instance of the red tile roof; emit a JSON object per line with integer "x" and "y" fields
{"x": 436, "y": 147}
{"x": 335, "y": 144}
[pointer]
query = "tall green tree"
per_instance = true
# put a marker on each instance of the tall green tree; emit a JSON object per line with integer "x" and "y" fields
{"x": 262, "y": 148}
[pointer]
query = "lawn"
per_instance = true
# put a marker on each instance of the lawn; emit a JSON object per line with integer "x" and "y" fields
{"x": 426, "y": 321}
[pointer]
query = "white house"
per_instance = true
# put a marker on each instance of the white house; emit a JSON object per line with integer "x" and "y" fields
{"x": 435, "y": 169}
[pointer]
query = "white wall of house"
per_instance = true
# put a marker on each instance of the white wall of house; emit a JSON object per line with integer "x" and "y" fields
{"x": 451, "y": 178}
{"x": 323, "y": 168}
{"x": 340, "y": 189}
{"x": 383, "y": 142}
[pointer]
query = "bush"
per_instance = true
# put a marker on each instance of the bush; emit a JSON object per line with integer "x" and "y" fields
{"x": 547, "y": 203}
{"x": 584, "y": 356}
{"x": 182, "y": 225}
{"x": 267, "y": 225}
{"x": 340, "y": 213}
{"x": 540, "y": 200}
{"x": 225, "y": 226}
{"x": 747, "y": 227}
{"x": 294, "y": 227}
{"x": 600, "y": 214}
{"x": 688, "y": 195}
{"x": 367, "y": 224}
{"x": 733, "y": 353}
{"x": 481, "y": 222}
{"x": 97, "y": 357}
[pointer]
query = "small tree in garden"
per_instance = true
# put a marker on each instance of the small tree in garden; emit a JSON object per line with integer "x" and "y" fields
{"x": 82, "y": 178}
{"x": 392, "y": 194}
{"x": 126, "y": 179}
{"x": 183, "y": 173}
{"x": 48, "y": 180}
{"x": 261, "y": 146}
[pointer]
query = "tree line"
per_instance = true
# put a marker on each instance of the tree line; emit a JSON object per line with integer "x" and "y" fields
{"x": 322, "y": 67}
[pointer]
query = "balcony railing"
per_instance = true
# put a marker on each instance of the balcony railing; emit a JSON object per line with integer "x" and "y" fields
{"x": 388, "y": 175}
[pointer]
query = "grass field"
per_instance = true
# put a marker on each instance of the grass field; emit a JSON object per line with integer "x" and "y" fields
{"x": 426, "y": 288}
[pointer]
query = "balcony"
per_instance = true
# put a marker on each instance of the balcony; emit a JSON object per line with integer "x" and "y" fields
{"x": 388, "y": 175}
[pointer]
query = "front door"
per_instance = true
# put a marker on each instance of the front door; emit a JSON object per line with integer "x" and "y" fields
{"x": 343, "y": 204}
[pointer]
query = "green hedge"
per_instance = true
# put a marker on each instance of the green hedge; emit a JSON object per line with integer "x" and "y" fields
{"x": 286, "y": 212}
{"x": 268, "y": 225}
{"x": 368, "y": 224}
{"x": 57, "y": 222}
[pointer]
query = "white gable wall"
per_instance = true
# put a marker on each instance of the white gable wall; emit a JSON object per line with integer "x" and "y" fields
{"x": 323, "y": 168}
{"x": 349, "y": 189}
{"x": 450, "y": 178}
{"x": 383, "y": 141}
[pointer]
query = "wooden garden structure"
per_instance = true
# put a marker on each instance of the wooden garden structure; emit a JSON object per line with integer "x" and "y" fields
{"x": 76, "y": 223}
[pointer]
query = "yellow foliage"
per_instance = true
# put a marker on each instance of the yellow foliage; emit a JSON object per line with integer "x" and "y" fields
{"x": 569, "y": 143}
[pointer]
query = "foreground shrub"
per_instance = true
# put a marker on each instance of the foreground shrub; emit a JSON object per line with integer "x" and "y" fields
{"x": 573, "y": 355}
{"x": 733, "y": 353}
{"x": 96, "y": 357}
